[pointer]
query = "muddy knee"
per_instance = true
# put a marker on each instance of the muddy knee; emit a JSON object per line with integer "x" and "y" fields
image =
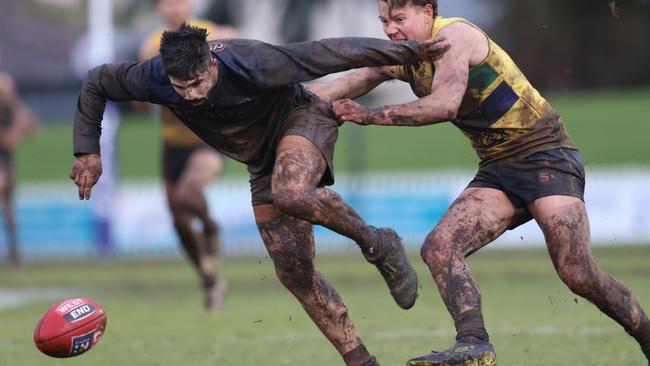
{"x": 581, "y": 280}
{"x": 435, "y": 250}
{"x": 292, "y": 202}
{"x": 187, "y": 196}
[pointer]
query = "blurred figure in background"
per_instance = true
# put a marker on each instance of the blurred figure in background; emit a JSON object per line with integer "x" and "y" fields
{"x": 296, "y": 22}
{"x": 189, "y": 164}
{"x": 224, "y": 12}
{"x": 16, "y": 123}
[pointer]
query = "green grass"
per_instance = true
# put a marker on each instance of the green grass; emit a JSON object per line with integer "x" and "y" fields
{"x": 610, "y": 127}
{"x": 155, "y": 319}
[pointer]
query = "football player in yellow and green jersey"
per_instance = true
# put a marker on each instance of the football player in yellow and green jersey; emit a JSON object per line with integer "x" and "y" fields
{"x": 501, "y": 113}
{"x": 529, "y": 168}
{"x": 189, "y": 164}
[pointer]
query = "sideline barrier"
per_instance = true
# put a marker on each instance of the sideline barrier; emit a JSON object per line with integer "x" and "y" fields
{"x": 54, "y": 224}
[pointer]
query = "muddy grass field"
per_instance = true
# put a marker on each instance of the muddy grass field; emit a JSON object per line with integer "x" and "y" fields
{"x": 155, "y": 318}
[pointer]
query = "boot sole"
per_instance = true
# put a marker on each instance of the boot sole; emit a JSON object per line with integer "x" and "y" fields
{"x": 486, "y": 359}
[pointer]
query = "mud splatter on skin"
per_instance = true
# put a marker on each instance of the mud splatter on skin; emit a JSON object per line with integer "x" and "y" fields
{"x": 85, "y": 173}
{"x": 470, "y": 223}
{"x": 295, "y": 191}
{"x": 433, "y": 110}
{"x": 290, "y": 244}
{"x": 567, "y": 237}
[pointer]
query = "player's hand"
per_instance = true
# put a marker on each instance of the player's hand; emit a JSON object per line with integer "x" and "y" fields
{"x": 348, "y": 110}
{"x": 86, "y": 171}
{"x": 433, "y": 50}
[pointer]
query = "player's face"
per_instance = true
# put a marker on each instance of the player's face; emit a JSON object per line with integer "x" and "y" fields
{"x": 175, "y": 12}
{"x": 196, "y": 90}
{"x": 409, "y": 22}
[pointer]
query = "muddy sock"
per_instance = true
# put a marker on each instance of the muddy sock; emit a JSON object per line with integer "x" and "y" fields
{"x": 359, "y": 357}
{"x": 470, "y": 328}
{"x": 642, "y": 335}
{"x": 374, "y": 252}
{"x": 371, "y": 362}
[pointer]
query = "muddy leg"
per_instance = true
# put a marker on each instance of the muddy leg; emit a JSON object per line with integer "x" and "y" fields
{"x": 477, "y": 217}
{"x": 565, "y": 225}
{"x": 290, "y": 243}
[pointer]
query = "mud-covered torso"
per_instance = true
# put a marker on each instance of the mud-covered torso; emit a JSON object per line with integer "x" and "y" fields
{"x": 502, "y": 114}
{"x": 239, "y": 119}
{"x": 241, "y": 125}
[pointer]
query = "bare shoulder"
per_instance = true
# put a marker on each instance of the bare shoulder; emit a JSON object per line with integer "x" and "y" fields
{"x": 460, "y": 31}
{"x": 466, "y": 39}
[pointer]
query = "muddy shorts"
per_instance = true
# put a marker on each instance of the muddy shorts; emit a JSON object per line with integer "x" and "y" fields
{"x": 176, "y": 158}
{"x": 545, "y": 173}
{"x": 315, "y": 122}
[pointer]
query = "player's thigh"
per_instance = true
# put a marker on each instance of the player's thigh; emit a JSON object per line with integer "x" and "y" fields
{"x": 474, "y": 219}
{"x": 299, "y": 164}
{"x": 547, "y": 206}
{"x": 565, "y": 224}
{"x": 202, "y": 166}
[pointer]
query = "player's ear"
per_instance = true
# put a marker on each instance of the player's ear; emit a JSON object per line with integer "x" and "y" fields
{"x": 428, "y": 12}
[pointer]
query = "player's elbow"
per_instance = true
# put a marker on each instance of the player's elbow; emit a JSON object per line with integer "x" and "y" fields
{"x": 449, "y": 113}
{"x": 450, "y": 110}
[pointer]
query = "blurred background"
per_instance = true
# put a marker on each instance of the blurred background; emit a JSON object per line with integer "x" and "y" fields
{"x": 591, "y": 63}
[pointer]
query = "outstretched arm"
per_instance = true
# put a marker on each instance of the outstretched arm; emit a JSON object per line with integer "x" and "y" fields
{"x": 448, "y": 88}
{"x": 353, "y": 85}
{"x": 276, "y": 66}
{"x": 118, "y": 82}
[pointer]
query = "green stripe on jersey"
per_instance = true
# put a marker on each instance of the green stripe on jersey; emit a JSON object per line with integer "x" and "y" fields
{"x": 481, "y": 77}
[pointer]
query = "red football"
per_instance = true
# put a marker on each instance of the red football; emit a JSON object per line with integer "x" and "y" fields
{"x": 70, "y": 328}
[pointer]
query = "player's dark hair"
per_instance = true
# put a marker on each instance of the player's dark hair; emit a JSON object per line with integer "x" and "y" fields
{"x": 185, "y": 52}
{"x": 401, "y": 3}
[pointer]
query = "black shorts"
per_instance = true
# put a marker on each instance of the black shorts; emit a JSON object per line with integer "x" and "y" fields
{"x": 6, "y": 159}
{"x": 541, "y": 174}
{"x": 175, "y": 159}
{"x": 317, "y": 123}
